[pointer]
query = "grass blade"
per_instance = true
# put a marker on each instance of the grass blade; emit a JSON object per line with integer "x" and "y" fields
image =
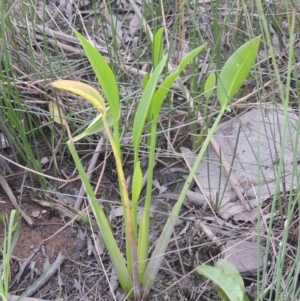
{"x": 7, "y": 247}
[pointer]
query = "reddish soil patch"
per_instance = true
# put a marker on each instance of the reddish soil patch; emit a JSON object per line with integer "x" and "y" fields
{"x": 47, "y": 224}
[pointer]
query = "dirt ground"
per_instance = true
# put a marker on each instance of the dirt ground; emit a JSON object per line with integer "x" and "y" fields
{"x": 43, "y": 242}
{"x": 82, "y": 276}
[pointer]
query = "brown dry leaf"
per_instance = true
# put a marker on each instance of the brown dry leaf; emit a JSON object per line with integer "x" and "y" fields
{"x": 69, "y": 11}
{"x": 254, "y": 134}
{"x": 134, "y": 25}
{"x": 99, "y": 243}
{"x": 115, "y": 212}
{"x": 244, "y": 255}
{"x": 56, "y": 114}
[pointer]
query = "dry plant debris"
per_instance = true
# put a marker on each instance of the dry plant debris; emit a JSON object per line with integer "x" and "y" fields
{"x": 251, "y": 143}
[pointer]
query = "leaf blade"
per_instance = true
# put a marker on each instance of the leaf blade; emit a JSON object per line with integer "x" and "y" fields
{"x": 157, "y": 48}
{"x": 96, "y": 126}
{"x": 145, "y": 103}
{"x": 83, "y": 90}
{"x": 223, "y": 281}
{"x": 104, "y": 75}
{"x": 56, "y": 114}
{"x": 164, "y": 88}
{"x": 235, "y": 70}
{"x": 209, "y": 85}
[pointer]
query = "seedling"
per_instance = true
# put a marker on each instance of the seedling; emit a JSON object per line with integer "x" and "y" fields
{"x": 137, "y": 274}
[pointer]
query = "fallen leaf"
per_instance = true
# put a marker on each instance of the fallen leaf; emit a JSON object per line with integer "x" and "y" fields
{"x": 255, "y": 134}
{"x": 134, "y": 25}
{"x": 245, "y": 255}
{"x": 56, "y": 114}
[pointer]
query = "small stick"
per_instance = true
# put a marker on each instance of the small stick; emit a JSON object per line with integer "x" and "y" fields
{"x": 21, "y": 298}
{"x": 25, "y": 262}
{"x": 46, "y": 277}
{"x": 211, "y": 235}
{"x": 13, "y": 199}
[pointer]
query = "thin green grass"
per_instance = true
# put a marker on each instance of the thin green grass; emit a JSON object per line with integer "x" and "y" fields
{"x": 283, "y": 284}
{"x": 6, "y": 249}
{"x": 14, "y": 114}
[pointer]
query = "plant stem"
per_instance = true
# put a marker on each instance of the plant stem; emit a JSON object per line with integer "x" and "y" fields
{"x": 143, "y": 241}
{"x": 127, "y": 213}
{"x": 163, "y": 241}
{"x": 104, "y": 226}
{"x": 116, "y": 139}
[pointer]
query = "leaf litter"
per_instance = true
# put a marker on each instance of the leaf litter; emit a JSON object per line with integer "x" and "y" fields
{"x": 252, "y": 143}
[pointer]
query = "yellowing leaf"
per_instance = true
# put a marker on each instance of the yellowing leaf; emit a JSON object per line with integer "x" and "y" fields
{"x": 83, "y": 90}
{"x": 56, "y": 114}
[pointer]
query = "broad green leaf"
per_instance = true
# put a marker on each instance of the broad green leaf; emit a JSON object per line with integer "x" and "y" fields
{"x": 145, "y": 80}
{"x": 83, "y": 90}
{"x": 224, "y": 297}
{"x": 224, "y": 282}
{"x": 164, "y": 88}
{"x": 235, "y": 70}
{"x": 209, "y": 85}
{"x": 96, "y": 126}
{"x": 104, "y": 74}
{"x": 229, "y": 269}
{"x": 144, "y": 105}
{"x": 158, "y": 49}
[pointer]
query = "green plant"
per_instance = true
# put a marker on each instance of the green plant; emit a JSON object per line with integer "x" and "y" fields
{"x": 7, "y": 247}
{"x": 227, "y": 279}
{"x": 136, "y": 274}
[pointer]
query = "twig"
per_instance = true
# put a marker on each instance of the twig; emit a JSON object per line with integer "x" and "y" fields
{"x": 36, "y": 172}
{"x": 20, "y": 298}
{"x": 25, "y": 262}
{"x": 13, "y": 199}
{"x": 211, "y": 235}
{"x": 46, "y": 277}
